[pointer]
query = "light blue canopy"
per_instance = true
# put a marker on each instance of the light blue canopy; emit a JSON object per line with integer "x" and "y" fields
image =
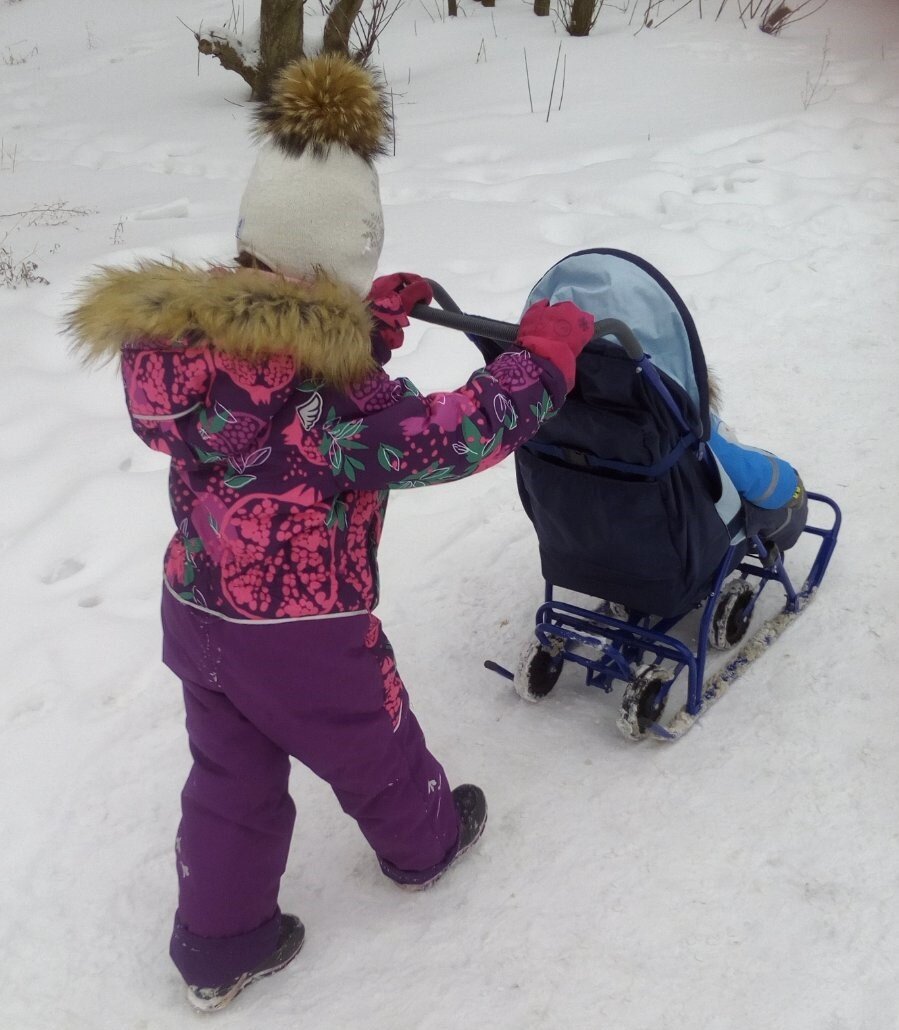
{"x": 611, "y": 286}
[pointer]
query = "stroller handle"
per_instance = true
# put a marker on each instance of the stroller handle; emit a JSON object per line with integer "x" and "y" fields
{"x": 451, "y": 316}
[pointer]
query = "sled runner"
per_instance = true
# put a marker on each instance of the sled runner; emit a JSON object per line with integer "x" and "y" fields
{"x": 634, "y": 512}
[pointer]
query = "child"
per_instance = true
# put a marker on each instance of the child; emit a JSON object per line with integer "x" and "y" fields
{"x": 775, "y": 506}
{"x": 265, "y": 386}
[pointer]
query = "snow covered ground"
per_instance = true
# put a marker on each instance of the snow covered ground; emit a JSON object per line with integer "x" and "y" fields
{"x": 743, "y": 878}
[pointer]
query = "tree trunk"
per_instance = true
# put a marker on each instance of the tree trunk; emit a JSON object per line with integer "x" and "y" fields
{"x": 280, "y": 41}
{"x": 582, "y": 18}
{"x": 452, "y": 8}
{"x": 773, "y": 21}
{"x": 337, "y": 27}
{"x": 541, "y": 8}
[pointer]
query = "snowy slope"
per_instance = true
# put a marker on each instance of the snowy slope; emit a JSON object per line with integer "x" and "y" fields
{"x": 744, "y": 878}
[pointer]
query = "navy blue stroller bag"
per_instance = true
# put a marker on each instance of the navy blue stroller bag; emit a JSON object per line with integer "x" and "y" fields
{"x": 622, "y": 492}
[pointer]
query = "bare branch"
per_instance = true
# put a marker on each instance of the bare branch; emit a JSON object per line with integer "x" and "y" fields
{"x": 369, "y": 25}
{"x": 228, "y": 56}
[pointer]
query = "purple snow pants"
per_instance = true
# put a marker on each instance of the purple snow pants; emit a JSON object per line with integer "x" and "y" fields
{"x": 328, "y": 693}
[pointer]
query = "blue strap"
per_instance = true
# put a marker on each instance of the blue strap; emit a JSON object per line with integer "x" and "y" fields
{"x": 648, "y": 369}
{"x": 583, "y": 459}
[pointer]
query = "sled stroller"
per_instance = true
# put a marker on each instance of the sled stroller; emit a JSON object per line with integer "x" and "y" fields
{"x": 635, "y": 514}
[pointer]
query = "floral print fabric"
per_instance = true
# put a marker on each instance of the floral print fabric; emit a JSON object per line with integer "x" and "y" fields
{"x": 279, "y": 482}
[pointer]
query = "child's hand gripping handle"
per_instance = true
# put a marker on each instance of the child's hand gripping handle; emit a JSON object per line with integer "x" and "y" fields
{"x": 392, "y": 299}
{"x": 450, "y": 315}
{"x": 556, "y": 332}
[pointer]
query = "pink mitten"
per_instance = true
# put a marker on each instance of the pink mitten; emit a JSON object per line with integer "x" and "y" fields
{"x": 557, "y": 332}
{"x": 392, "y": 298}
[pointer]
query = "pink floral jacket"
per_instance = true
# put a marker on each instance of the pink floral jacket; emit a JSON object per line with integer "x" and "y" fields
{"x": 283, "y": 448}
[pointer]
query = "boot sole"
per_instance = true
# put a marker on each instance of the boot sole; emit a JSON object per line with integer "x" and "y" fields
{"x": 418, "y": 887}
{"x": 221, "y": 1000}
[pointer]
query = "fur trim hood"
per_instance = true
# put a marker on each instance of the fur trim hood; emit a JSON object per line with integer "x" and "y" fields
{"x": 323, "y": 325}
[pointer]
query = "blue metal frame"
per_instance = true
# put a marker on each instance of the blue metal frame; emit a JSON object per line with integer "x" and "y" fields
{"x": 618, "y": 647}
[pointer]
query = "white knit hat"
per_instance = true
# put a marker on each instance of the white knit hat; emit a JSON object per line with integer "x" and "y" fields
{"x": 312, "y": 203}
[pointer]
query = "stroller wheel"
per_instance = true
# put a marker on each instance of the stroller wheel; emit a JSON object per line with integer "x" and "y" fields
{"x": 730, "y": 621}
{"x": 643, "y": 701}
{"x": 538, "y": 671}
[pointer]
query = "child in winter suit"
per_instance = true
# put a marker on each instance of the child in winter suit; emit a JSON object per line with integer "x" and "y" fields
{"x": 265, "y": 385}
{"x": 775, "y": 506}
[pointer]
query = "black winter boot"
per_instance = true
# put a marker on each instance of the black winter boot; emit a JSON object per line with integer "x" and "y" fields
{"x": 472, "y": 808}
{"x": 290, "y": 940}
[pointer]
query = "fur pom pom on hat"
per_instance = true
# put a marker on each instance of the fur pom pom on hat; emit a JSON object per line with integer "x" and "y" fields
{"x": 312, "y": 203}
{"x": 324, "y": 100}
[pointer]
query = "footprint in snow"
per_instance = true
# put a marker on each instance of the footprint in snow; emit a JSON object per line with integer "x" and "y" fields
{"x": 66, "y": 568}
